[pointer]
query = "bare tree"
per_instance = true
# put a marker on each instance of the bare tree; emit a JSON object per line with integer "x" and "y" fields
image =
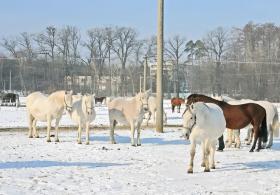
{"x": 175, "y": 50}
{"x": 215, "y": 43}
{"x": 47, "y": 43}
{"x": 10, "y": 45}
{"x": 125, "y": 39}
{"x": 97, "y": 44}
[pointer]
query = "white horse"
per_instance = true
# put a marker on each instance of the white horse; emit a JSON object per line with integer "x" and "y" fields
{"x": 43, "y": 108}
{"x": 83, "y": 114}
{"x": 128, "y": 111}
{"x": 271, "y": 118}
{"x": 203, "y": 123}
{"x": 152, "y": 107}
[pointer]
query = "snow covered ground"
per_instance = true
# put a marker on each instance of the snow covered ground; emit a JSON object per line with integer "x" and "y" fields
{"x": 159, "y": 166}
{"x": 12, "y": 117}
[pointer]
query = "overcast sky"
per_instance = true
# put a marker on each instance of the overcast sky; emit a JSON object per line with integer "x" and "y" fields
{"x": 190, "y": 18}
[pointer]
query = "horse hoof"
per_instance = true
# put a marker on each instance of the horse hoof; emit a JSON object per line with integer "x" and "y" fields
{"x": 257, "y": 150}
{"x": 267, "y": 147}
{"x": 79, "y": 142}
{"x": 138, "y": 144}
{"x": 87, "y": 143}
{"x": 113, "y": 142}
{"x": 37, "y": 136}
{"x": 206, "y": 170}
{"x": 202, "y": 164}
{"x": 30, "y": 136}
{"x": 213, "y": 167}
{"x": 190, "y": 171}
{"x": 57, "y": 140}
{"x": 220, "y": 150}
{"x": 48, "y": 140}
{"x": 251, "y": 150}
{"x": 133, "y": 145}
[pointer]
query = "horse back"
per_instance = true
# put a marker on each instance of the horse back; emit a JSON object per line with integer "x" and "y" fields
{"x": 239, "y": 116}
{"x": 124, "y": 108}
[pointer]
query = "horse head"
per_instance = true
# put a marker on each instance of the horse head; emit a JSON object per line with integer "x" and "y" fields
{"x": 88, "y": 103}
{"x": 68, "y": 100}
{"x": 143, "y": 97}
{"x": 189, "y": 120}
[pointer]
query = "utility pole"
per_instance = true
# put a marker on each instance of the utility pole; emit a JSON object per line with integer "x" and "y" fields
{"x": 140, "y": 83}
{"x": 159, "y": 116}
{"x": 110, "y": 77}
{"x": 10, "y": 87}
{"x": 145, "y": 74}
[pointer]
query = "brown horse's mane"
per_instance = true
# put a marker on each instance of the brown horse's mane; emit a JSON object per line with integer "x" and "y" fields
{"x": 203, "y": 98}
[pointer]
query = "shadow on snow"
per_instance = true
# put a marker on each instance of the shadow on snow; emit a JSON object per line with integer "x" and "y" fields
{"x": 258, "y": 166}
{"x": 126, "y": 139}
{"x": 44, "y": 164}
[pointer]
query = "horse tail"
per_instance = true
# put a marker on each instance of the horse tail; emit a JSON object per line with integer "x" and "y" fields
{"x": 275, "y": 123}
{"x": 264, "y": 129}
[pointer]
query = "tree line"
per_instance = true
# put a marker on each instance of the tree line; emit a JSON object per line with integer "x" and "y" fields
{"x": 241, "y": 62}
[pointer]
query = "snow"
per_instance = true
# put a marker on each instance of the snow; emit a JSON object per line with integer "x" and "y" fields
{"x": 159, "y": 166}
{"x": 12, "y": 117}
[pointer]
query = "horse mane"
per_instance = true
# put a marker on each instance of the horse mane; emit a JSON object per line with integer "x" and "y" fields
{"x": 203, "y": 107}
{"x": 203, "y": 98}
{"x": 56, "y": 94}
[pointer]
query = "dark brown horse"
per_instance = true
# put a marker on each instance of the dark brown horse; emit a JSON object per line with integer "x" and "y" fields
{"x": 177, "y": 102}
{"x": 239, "y": 116}
{"x": 99, "y": 99}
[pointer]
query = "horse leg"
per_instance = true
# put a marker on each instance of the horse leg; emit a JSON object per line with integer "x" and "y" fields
{"x": 212, "y": 154}
{"x": 149, "y": 117}
{"x": 87, "y": 133}
{"x": 256, "y": 136}
{"x": 229, "y": 138}
{"x": 203, "y": 154}
{"x": 237, "y": 138}
{"x": 249, "y": 136}
{"x": 132, "y": 132}
{"x": 138, "y": 134}
{"x": 270, "y": 140}
{"x": 173, "y": 108}
{"x": 56, "y": 129}
{"x": 79, "y": 133}
{"x": 154, "y": 117}
{"x": 221, "y": 144}
{"x": 49, "y": 129}
{"x": 112, "y": 125}
{"x": 165, "y": 118}
{"x": 207, "y": 154}
{"x": 35, "y": 132}
{"x": 192, "y": 153}
{"x": 178, "y": 107}
{"x": 31, "y": 119}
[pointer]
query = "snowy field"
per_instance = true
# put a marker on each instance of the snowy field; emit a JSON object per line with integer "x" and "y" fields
{"x": 159, "y": 166}
{"x": 12, "y": 117}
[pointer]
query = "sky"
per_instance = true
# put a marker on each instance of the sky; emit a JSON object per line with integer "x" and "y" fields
{"x": 190, "y": 18}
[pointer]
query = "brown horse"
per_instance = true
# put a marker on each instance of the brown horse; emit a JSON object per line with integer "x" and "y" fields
{"x": 177, "y": 102}
{"x": 239, "y": 116}
{"x": 99, "y": 99}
